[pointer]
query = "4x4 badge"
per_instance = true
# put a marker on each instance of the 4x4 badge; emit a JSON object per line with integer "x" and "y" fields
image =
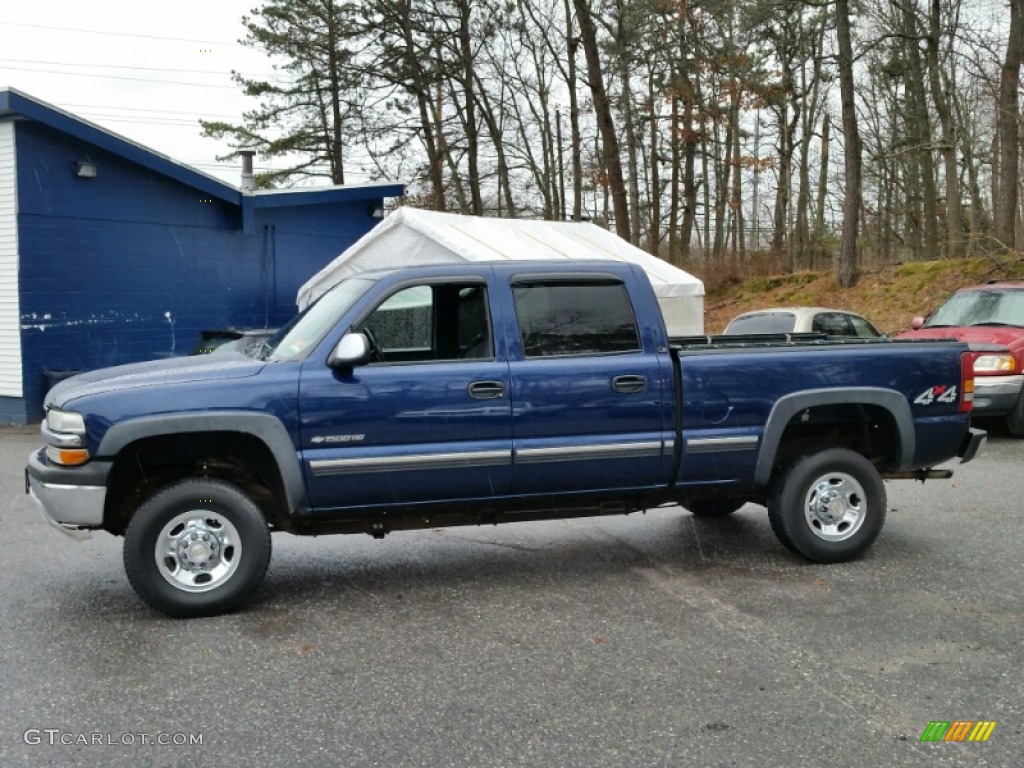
{"x": 940, "y": 393}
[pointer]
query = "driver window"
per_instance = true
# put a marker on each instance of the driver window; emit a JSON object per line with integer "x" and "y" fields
{"x": 428, "y": 323}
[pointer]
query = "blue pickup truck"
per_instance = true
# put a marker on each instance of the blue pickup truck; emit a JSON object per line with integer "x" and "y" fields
{"x": 480, "y": 394}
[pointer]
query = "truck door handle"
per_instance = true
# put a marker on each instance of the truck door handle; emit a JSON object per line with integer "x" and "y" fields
{"x": 486, "y": 390}
{"x": 626, "y": 385}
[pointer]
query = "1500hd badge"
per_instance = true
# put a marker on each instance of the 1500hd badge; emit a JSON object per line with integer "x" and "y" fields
{"x": 337, "y": 439}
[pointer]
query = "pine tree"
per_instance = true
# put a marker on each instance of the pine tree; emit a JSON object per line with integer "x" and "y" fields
{"x": 303, "y": 117}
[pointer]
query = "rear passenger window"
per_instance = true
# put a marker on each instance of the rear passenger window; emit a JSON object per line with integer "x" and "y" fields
{"x": 833, "y": 324}
{"x": 575, "y": 318}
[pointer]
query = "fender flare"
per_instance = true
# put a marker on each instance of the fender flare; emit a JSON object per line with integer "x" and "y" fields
{"x": 788, "y": 406}
{"x": 266, "y": 428}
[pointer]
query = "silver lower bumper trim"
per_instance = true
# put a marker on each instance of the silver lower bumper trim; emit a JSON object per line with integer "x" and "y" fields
{"x": 69, "y": 508}
{"x": 994, "y": 386}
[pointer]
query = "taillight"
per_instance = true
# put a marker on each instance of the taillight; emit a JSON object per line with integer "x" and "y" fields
{"x": 966, "y": 382}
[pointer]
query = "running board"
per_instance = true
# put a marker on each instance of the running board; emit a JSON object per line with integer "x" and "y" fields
{"x": 919, "y": 474}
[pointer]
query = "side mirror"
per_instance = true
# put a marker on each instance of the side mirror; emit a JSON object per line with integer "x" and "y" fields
{"x": 917, "y": 322}
{"x": 352, "y": 350}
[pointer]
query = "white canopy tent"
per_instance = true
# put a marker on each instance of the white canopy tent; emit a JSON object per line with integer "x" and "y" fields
{"x": 411, "y": 237}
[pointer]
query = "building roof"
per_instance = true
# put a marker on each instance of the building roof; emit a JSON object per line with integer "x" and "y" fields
{"x": 14, "y": 103}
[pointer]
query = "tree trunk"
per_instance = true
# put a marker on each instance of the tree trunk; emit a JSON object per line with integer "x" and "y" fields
{"x": 919, "y": 130}
{"x": 782, "y": 191}
{"x": 572, "y": 43}
{"x": 819, "y": 211}
{"x": 706, "y": 162}
{"x": 442, "y": 144}
{"x": 628, "y": 123}
{"x": 605, "y": 122}
{"x": 1008, "y": 130}
{"x": 420, "y": 89}
{"x": 690, "y": 180}
{"x": 722, "y": 168}
{"x": 494, "y": 129}
{"x": 470, "y": 126}
{"x": 978, "y": 221}
{"x": 802, "y": 234}
{"x": 954, "y": 213}
{"x": 846, "y": 261}
{"x": 337, "y": 162}
{"x": 739, "y": 243}
{"x": 675, "y": 247}
{"x": 654, "y": 227}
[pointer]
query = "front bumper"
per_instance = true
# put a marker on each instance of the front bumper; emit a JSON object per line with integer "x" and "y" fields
{"x": 994, "y": 395}
{"x": 70, "y": 498}
{"x": 973, "y": 442}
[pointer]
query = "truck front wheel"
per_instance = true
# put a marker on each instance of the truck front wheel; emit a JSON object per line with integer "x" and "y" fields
{"x": 828, "y": 506}
{"x": 198, "y": 547}
{"x": 1015, "y": 418}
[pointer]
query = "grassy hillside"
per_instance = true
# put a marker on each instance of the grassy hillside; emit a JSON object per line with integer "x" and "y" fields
{"x": 888, "y": 297}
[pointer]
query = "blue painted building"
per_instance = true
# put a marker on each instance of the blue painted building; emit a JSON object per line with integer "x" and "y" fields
{"x": 112, "y": 253}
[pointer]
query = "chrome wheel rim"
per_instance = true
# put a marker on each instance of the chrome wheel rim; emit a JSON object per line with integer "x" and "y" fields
{"x": 835, "y": 507}
{"x": 198, "y": 550}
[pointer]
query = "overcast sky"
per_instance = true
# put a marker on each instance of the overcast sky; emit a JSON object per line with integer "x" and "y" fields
{"x": 147, "y": 71}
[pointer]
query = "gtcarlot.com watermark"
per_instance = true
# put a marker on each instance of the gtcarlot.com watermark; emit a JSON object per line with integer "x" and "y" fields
{"x": 54, "y": 737}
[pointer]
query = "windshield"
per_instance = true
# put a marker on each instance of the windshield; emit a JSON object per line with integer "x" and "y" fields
{"x": 305, "y": 330}
{"x": 980, "y": 308}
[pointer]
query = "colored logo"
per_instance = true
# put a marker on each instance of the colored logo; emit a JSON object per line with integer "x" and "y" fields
{"x": 958, "y": 730}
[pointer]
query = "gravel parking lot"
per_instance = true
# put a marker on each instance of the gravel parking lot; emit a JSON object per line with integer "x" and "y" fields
{"x": 648, "y": 640}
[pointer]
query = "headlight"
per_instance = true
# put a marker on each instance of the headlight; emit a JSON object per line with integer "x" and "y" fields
{"x": 995, "y": 364}
{"x": 64, "y": 433}
{"x": 65, "y": 421}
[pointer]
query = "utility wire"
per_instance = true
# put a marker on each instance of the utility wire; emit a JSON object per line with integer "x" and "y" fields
{"x": 138, "y": 109}
{"x": 118, "y": 77}
{"x": 117, "y": 34}
{"x": 193, "y": 124}
{"x": 128, "y": 66}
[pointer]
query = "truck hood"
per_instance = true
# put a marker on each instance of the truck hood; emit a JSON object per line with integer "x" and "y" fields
{"x": 972, "y": 334}
{"x": 178, "y": 370}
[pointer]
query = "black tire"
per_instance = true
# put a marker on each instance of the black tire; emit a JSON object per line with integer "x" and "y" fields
{"x": 828, "y": 506}
{"x": 711, "y": 508}
{"x": 210, "y": 520}
{"x": 1015, "y": 418}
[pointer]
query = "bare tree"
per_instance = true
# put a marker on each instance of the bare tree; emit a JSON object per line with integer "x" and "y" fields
{"x": 846, "y": 259}
{"x": 954, "y": 214}
{"x": 1009, "y": 129}
{"x": 605, "y": 119}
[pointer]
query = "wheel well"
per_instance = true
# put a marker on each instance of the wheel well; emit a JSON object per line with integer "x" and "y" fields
{"x": 870, "y": 430}
{"x": 146, "y": 465}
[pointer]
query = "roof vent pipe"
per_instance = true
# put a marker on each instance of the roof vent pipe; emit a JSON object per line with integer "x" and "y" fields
{"x": 248, "y": 180}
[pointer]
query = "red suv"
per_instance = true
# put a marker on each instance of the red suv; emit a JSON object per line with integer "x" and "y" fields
{"x": 990, "y": 318}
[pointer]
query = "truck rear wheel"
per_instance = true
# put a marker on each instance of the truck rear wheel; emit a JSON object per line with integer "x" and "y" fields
{"x": 829, "y": 506}
{"x": 198, "y": 547}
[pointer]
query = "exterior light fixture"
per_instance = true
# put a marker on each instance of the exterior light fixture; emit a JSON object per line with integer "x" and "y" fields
{"x": 376, "y": 211}
{"x": 85, "y": 169}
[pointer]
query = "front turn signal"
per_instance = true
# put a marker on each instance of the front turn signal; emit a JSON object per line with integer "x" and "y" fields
{"x": 68, "y": 457}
